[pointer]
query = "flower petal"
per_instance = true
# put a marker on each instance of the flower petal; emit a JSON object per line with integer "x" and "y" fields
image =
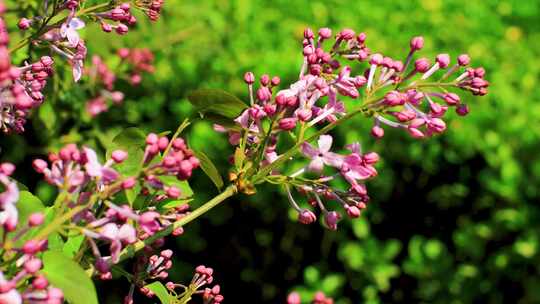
{"x": 316, "y": 165}
{"x": 325, "y": 143}
{"x": 309, "y": 151}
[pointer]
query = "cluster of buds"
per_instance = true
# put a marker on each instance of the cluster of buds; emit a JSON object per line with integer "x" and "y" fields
{"x": 24, "y": 252}
{"x": 391, "y": 95}
{"x": 318, "y": 298}
{"x": 198, "y": 286}
{"x": 177, "y": 159}
{"x": 146, "y": 268}
{"x": 152, "y": 8}
{"x": 138, "y": 61}
{"x": 20, "y": 87}
{"x": 73, "y": 168}
{"x": 121, "y": 15}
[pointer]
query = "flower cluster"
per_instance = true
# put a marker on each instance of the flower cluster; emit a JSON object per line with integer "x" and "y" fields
{"x": 20, "y": 87}
{"x": 394, "y": 94}
{"x": 138, "y": 61}
{"x": 23, "y": 250}
{"x": 202, "y": 278}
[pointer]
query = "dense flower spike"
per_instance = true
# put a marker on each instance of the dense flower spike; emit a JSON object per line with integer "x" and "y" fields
{"x": 19, "y": 245}
{"x": 395, "y": 94}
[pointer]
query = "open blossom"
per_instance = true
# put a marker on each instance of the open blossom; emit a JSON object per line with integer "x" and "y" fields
{"x": 69, "y": 30}
{"x": 8, "y": 198}
{"x": 321, "y": 156}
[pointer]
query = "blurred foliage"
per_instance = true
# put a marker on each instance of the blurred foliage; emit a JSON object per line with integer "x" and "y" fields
{"x": 454, "y": 219}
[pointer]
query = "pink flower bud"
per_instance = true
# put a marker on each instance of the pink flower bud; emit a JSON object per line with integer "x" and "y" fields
{"x": 293, "y": 298}
{"x": 167, "y": 253}
{"x": 331, "y": 218}
{"x": 451, "y": 99}
{"x": 24, "y": 24}
{"x": 121, "y": 29}
{"x": 129, "y": 183}
{"x": 36, "y": 219}
{"x": 40, "y": 282}
{"x": 361, "y": 38}
{"x": 353, "y": 212}
{"x": 119, "y": 156}
{"x": 462, "y": 109}
{"x": 107, "y": 28}
{"x": 275, "y": 81}
{"x": 415, "y": 133}
{"x": 31, "y": 247}
{"x": 325, "y": 33}
{"x": 173, "y": 192}
{"x": 346, "y": 34}
{"x": 306, "y": 217}
{"x": 152, "y": 139}
{"x": 443, "y": 60}
{"x": 377, "y": 132}
{"x": 422, "y": 65}
{"x": 281, "y": 100}
{"x": 123, "y": 53}
{"x": 463, "y": 59}
{"x": 308, "y": 33}
{"x": 163, "y": 143}
{"x": 417, "y": 43}
{"x": 376, "y": 59}
{"x": 264, "y": 94}
{"x": 287, "y": 124}
{"x": 33, "y": 265}
{"x": 249, "y": 78}
{"x": 7, "y": 168}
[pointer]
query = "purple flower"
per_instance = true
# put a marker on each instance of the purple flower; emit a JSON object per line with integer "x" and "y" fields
{"x": 321, "y": 156}
{"x": 357, "y": 166}
{"x": 69, "y": 31}
{"x": 95, "y": 169}
{"x": 126, "y": 234}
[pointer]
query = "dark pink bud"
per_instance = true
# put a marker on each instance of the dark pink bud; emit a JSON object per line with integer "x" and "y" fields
{"x": 281, "y": 100}
{"x": 123, "y": 53}
{"x": 7, "y": 168}
{"x": 173, "y": 192}
{"x": 36, "y": 219}
{"x": 122, "y": 29}
{"x": 415, "y": 132}
{"x": 353, "y": 212}
{"x": 152, "y": 139}
{"x": 361, "y": 38}
{"x": 33, "y": 265}
{"x": 119, "y": 156}
{"x": 331, "y": 219}
{"x": 264, "y": 94}
{"x": 294, "y": 298}
{"x": 346, "y": 34}
{"x": 417, "y": 43}
{"x": 325, "y": 33}
{"x": 462, "y": 109}
{"x": 24, "y": 24}
{"x": 275, "y": 81}
{"x": 39, "y": 165}
{"x": 40, "y": 282}
{"x": 306, "y": 217}
{"x": 31, "y": 247}
{"x": 129, "y": 183}
{"x": 249, "y": 78}
{"x": 265, "y": 79}
{"x": 163, "y": 143}
{"x": 308, "y": 33}
{"x": 422, "y": 65}
{"x": 287, "y": 124}
{"x": 377, "y": 132}
{"x": 463, "y": 59}
{"x": 376, "y": 59}
{"x": 370, "y": 158}
{"x": 394, "y": 98}
{"x": 443, "y": 60}
{"x": 451, "y": 99}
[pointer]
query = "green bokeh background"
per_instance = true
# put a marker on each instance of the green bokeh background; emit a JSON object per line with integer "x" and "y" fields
{"x": 453, "y": 219}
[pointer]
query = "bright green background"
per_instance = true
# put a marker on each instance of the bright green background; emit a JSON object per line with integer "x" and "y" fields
{"x": 453, "y": 219}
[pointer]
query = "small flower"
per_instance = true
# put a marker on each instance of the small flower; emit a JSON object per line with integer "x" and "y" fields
{"x": 69, "y": 30}
{"x": 322, "y": 156}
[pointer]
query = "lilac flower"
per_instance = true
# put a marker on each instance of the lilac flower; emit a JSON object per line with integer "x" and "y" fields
{"x": 69, "y": 30}
{"x": 8, "y": 198}
{"x": 126, "y": 234}
{"x": 11, "y": 296}
{"x": 321, "y": 156}
{"x": 95, "y": 169}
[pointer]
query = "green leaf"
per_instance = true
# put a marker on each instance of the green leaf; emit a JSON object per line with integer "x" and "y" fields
{"x": 72, "y": 245}
{"x": 161, "y": 292}
{"x": 130, "y": 137}
{"x": 209, "y": 168}
{"x": 67, "y": 275}
{"x": 216, "y": 101}
{"x": 28, "y": 204}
